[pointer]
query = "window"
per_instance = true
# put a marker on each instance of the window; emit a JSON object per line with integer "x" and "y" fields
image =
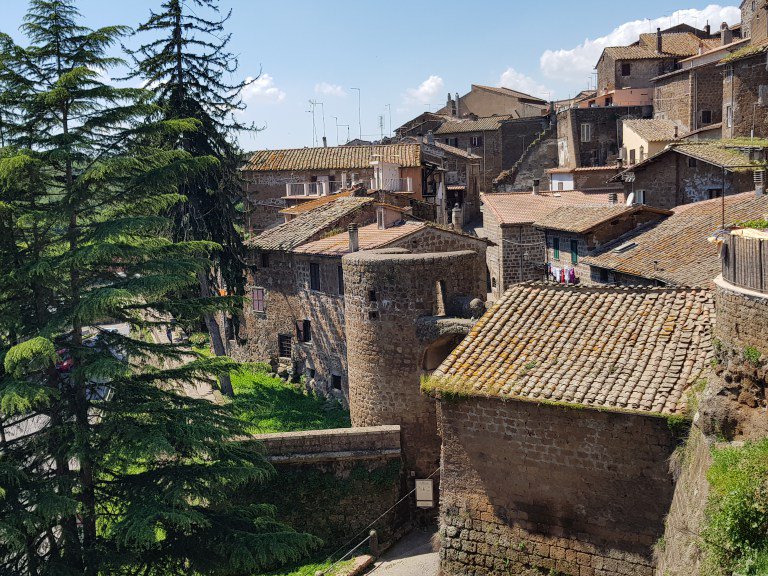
{"x": 642, "y": 153}
{"x": 632, "y": 156}
{"x": 476, "y": 141}
{"x": 574, "y": 251}
{"x": 304, "y": 331}
{"x": 258, "y": 300}
{"x": 626, "y": 69}
{"x": 340, "y": 274}
{"x": 312, "y": 372}
{"x": 729, "y": 116}
{"x": 639, "y": 197}
{"x": 603, "y": 275}
{"x": 692, "y": 162}
{"x": 586, "y": 132}
{"x": 706, "y": 116}
{"x": 372, "y": 296}
{"x": 452, "y": 142}
{"x": 609, "y": 101}
{"x": 560, "y": 185}
{"x": 284, "y": 346}
{"x": 264, "y": 260}
{"x": 336, "y": 381}
{"x": 714, "y": 193}
{"x": 556, "y": 248}
{"x": 314, "y": 276}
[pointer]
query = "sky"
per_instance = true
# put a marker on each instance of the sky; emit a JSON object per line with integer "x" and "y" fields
{"x": 404, "y": 56}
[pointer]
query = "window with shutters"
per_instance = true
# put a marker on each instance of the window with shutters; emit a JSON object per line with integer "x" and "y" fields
{"x": 314, "y": 276}
{"x": 258, "y": 300}
{"x": 586, "y": 132}
{"x": 556, "y": 248}
{"x": 304, "y": 331}
{"x": 574, "y": 251}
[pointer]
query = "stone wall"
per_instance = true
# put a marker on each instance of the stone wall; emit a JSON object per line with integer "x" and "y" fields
{"x": 385, "y": 293}
{"x": 609, "y": 75}
{"x": 537, "y": 489}
{"x": 671, "y": 181}
{"x": 334, "y": 483}
{"x": 605, "y": 141}
{"x": 684, "y": 95}
{"x": 517, "y": 135}
{"x": 491, "y": 153}
{"x": 741, "y": 91}
{"x": 565, "y": 258}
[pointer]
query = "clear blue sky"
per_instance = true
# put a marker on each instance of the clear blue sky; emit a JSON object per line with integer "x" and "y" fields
{"x": 407, "y": 54}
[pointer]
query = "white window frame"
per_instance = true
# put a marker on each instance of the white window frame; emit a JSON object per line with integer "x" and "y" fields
{"x": 639, "y": 197}
{"x": 586, "y": 132}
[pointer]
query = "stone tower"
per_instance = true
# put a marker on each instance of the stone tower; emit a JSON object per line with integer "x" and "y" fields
{"x": 401, "y": 315}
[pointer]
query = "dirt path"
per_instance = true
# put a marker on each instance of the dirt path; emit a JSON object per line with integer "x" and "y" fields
{"x": 411, "y": 556}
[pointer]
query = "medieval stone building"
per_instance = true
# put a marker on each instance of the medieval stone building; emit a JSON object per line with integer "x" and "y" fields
{"x": 553, "y": 414}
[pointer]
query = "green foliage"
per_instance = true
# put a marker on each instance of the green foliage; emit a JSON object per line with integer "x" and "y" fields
{"x": 752, "y": 355}
{"x": 759, "y": 224}
{"x": 679, "y": 425}
{"x": 268, "y": 404}
{"x": 735, "y": 537}
{"x": 107, "y": 464}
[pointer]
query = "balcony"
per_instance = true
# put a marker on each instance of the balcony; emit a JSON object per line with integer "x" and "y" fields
{"x": 392, "y": 184}
{"x": 312, "y": 189}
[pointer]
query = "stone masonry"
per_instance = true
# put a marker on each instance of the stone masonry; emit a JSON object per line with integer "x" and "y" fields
{"x": 386, "y": 292}
{"x": 532, "y": 489}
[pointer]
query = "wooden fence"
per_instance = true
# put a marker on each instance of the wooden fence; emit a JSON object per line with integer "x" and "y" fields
{"x": 745, "y": 262}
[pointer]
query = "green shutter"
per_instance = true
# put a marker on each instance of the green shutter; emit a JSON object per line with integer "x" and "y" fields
{"x": 556, "y": 246}
{"x": 574, "y": 251}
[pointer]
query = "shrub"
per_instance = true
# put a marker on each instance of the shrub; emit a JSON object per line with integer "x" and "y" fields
{"x": 752, "y": 355}
{"x": 735, "y": 536}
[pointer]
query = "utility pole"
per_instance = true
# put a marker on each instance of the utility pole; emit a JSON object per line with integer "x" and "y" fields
{"x": 359, "y": 115}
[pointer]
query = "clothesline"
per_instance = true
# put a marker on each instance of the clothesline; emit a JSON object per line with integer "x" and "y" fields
{"x": 564, "y": 275}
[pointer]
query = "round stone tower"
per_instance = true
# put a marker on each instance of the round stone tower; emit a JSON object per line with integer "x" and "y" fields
{"x": 736, "y": 407}
{"x": 389, "y": 294}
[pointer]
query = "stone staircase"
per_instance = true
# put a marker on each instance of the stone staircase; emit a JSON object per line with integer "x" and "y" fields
{"x": 506, "y": 180}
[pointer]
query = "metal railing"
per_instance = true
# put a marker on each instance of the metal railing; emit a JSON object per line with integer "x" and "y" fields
{"x": 392, "y": 184}
{"x": 298, "y": 189}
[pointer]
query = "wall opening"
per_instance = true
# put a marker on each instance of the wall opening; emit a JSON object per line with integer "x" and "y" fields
{"x": 439, "y": 351}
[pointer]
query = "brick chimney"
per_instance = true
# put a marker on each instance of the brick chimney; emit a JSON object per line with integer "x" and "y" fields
{"x": 536, "y": 186}
{"x": 708, "y": 29}
{"x": 354, "y": 240}
{"x": 659, "y": 43}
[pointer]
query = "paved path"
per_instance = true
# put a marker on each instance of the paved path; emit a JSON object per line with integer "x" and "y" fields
{"x": 411, "y": 556}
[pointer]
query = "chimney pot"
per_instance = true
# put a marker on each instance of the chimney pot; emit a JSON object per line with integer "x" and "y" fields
{"x": 325, "y": 142}
{"x": 658, "y": 40}
{"x": 354, "y": 241}
{"x": 536, "y": 186}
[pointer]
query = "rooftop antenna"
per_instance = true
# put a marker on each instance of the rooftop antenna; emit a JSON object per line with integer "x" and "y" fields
{"x": 359, "y": 117}
{"x": 314, "y": 128}
{"x": 389, "y": 108}
{"x": 322, "y": 109}
{"x": 381, "y": 125}
{"x": 336, "y": 118}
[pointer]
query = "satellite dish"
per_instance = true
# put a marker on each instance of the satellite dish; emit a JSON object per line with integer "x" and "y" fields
{"x": 631, "y": 199}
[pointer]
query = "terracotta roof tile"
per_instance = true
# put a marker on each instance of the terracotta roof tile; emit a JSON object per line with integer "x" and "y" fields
{"x": 604, "y": 347}
{"x": 307, "y": 225}
{"x": 580, "y": 219}
{"x": 526, "y": 208}
{"x": 333, "y": 158}
{"x": 678, "y": 43}
{"x": 633, "y": 53}
{"x": 480, "y": 125}
{"x": 509, "y": 92}
{"x": 370, "y": 237}
{"x": 676, "y": 251}
{"x": 312, "y": 204}
{"x": 654, "y": 130}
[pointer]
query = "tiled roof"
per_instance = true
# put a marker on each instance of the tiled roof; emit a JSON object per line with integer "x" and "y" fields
{"x": 481, "y": 124}
{"x": 568, "y": 170}
{"x": 633, "y": 53}
{"x": 509, "y": 92}
{"x": 526, "y": 208}
{"x": 619, "y": 349}
{"x": 676, "y": 251}
{"x": 333, "y": 158}
{"x": 746, "y": 52}
{"x": 654, "y": 130}
{"x": 731, "y": 155}
{"x": 307, "y": 225}
{"x": 370, "y": 237}
{"x": 679, "y": 43}
{"x": 312, "y": 204}
{"x": 580, "y": 219}
{"x": 456, "y": 151}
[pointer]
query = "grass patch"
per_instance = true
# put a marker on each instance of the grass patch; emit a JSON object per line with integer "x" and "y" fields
{"x": 735, "y": 537}
{"x": 269, "y": 404}
{"x": 310, "y": 569}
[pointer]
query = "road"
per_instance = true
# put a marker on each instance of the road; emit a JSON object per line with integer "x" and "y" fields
{"x": 411, "y": 556}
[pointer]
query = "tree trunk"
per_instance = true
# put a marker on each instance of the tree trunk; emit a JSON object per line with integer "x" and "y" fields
{"x": 217, "y": 342}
